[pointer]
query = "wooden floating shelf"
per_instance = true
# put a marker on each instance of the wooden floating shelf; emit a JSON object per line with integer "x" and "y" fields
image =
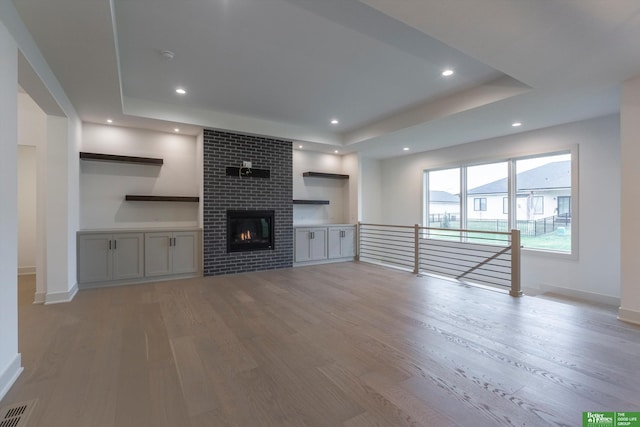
{"x": 325, "y": 175}
{"x": 310, "y": 202}
{"x": 120, "y": 159}
{"x": 134, "y": 198}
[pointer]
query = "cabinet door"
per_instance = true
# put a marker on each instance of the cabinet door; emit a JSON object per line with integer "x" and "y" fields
{"x": 94, "y": 258}
{"x": 302, "y": 240}
{"x": 185, "y": 252}
{"x": 342, "y": 242}
{"x": 318, "y": 244}
{"x": 348, "y": 242}
{"x": 127, "y": 251}
{"x": 157, "y": 254}
{"x": 335, "y": 242}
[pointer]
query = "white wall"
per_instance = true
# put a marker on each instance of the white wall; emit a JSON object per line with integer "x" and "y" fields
{"x": 351, "y": 167}
{"x": 10, "y": 366}
{"x": 32, "y": 123}
{"x": 26, "y": 209}
{"x": 370, "y": 191}
{"x": 103, "y": 185}
{"x": 595, "y": 273}
{"x": 630, "y": 174}
{"x": 311, "y": 188}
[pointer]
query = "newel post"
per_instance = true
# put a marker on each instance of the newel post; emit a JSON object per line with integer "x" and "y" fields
{"x": 416, "y": 248}
{"x": 516, "y": 288}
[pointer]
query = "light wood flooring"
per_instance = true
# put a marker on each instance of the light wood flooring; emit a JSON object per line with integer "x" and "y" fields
{"x": 334, "y": 345}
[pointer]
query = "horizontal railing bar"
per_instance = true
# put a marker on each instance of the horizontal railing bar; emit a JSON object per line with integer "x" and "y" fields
{"x": 432, "y": 253}
{"x": 503, "y": 243}
{"x": 453, "y": 249}
{"x": 362, "y": 224}
{"x": 390, "y": 247}
{"x": 390, "y": 231}
{"x": 447, "y": 274}
{"x": 383, "y": 251}
{"x": 372, "y": 238}
{"x": 457, "y": 230}
{"x": 456, "y": 272}
{"x": 460, "y": 270}
{"x": 385, "y": 260}
{"x": 461, "y": 267}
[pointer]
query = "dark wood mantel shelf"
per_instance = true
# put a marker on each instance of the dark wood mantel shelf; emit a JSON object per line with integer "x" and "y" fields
{"x": 325, "y": 175}
{"x": 98, "y": 157}
{"x": 310, "y": 202}
{"x": 136, "y": 198}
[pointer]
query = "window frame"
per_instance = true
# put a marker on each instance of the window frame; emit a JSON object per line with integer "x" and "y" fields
{"x": 478, "y": 204}
{"x": 572, "y": 150}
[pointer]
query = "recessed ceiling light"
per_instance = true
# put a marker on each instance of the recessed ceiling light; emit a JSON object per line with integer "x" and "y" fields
{"x": 516, "y": 124}
{"x": 406, "y": 149}
{"x": 334, "y": 121}
{"x": 447, "y": 72}
{"x": 109, "y": 121}
{"x": 299, "y": 146}
{"x": 336, "y": 151}
{"x": 176, "y": 129}
{"x": 181, "y": 91}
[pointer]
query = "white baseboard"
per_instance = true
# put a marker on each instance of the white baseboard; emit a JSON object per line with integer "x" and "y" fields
{"x": 10, "y": 374}
{"x": 39, "y": 297}
{"x": 583, "y": 295}
{"x": 60, "y": 297}
{"x": 629, "y": 316}
{"x": 23, "y": 271}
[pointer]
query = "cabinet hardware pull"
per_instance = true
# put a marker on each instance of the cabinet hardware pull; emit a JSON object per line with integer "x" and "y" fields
{"x": 109, "y": 244}
{"x": 115, "y": 244}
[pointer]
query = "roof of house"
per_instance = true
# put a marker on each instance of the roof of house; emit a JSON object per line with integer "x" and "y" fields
{"x": 546, "y": 177}
{"x": 443, "y": 197}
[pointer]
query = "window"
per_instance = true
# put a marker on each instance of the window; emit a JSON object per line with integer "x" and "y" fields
{"x": 443, "y": 201}
{"x": 486, "y": 184}
{"x": 538, "y": 203}
{"x": 534, "y": 205}
{"x": 480, "y": 204}
{"x": 564, "y": 206}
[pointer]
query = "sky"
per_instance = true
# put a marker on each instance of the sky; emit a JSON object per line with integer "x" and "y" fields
{"x": 449, "y": 179}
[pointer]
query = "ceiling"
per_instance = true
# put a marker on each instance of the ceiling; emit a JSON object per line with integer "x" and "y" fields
{"x": 285, "y": 68}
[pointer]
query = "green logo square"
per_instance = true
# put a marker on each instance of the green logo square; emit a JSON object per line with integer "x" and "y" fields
{"x": 611, "y": 419}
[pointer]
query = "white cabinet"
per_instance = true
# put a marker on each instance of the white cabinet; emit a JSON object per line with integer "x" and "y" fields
{"x": 132, "y": 256}
{"x": 171, "y": 253}
{"x": 330, "y": 243}
{"x": 110, "y": 256}
{"x": 310, "y": 244}
{"x": 342, "y": 242}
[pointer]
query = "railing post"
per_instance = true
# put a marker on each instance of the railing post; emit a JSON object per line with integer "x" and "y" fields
{"x": 358, "y": 226}
{"x": 416, "y": 248}
{"x": 516, "y": 289}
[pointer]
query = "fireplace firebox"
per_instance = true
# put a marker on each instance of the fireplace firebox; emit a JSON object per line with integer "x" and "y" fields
{"x": 249, "y": 230}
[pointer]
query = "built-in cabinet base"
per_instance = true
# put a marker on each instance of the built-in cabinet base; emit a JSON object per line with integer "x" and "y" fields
{"x": 128, "y": 257}
{"x": 324, "y": 244}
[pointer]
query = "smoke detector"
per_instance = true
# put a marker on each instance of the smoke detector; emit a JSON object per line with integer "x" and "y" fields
{"x": 167, "y": 54}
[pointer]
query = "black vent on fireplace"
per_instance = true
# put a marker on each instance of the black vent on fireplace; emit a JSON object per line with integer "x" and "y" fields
{"x": 249, "y": 230}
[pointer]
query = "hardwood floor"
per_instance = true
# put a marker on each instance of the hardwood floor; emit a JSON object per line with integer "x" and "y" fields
{"x": 333, "y": 345}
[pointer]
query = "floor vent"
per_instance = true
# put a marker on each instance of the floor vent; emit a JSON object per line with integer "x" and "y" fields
{"x": 16, "y": 415}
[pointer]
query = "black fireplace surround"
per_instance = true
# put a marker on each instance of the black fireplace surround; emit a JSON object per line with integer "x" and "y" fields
{"x": 249, "y": 230}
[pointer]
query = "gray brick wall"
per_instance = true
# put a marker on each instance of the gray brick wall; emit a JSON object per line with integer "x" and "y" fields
{"x": 221, "y": 192}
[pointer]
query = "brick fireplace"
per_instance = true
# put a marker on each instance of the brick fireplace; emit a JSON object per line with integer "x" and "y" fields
{"x": 254, "y": 193}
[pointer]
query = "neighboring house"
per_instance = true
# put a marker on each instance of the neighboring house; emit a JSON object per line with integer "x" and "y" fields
{"x": 441, "y": 204}
{"x": 542, "y": 192}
